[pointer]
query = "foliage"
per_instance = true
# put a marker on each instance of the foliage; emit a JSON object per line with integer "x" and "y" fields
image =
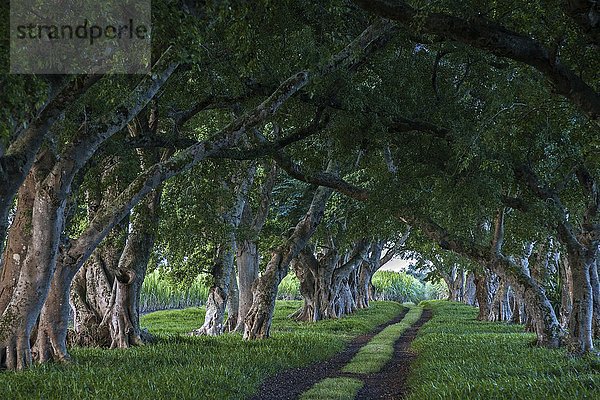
{"x": 289, "y": 288}
{"x": 184, "y": 367}
{"x": 462, "y": 358}
{"x": 402, "y": 287}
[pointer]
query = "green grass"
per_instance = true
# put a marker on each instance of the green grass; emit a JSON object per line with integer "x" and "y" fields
{"x": 184, "y": 367}
{"x": 375, "y": 354}
{"x": 333, "y": 388}
{"x": 461, "y": 358}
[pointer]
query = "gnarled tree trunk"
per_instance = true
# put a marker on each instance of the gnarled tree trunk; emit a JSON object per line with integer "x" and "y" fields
{"x": 257, "y": 324}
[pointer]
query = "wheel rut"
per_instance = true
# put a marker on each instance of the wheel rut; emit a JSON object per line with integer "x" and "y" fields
{"x": 291, "y": 383}
{"x": 390, "y": 382}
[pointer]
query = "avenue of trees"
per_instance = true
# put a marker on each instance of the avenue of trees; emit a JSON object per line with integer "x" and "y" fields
{"x": 319, "y": 138}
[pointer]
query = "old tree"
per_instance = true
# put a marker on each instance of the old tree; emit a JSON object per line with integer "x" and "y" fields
{"x": 318, "y": 139}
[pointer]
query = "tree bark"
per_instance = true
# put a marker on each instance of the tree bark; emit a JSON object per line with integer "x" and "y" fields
{"x": 469, "y": 296}
{"x": 224, "y": 264}
{"x": 547, "y": 327}
{"x": 580, "y": 321}
{"x": 595, "y": 282}
{"x": 482, "y": 292}
{"x": 566, "y": 287}
{"x": 218, "y": 292}
{"x": 367, "y": 269}
{"x": 48, "y": 220}
{"x": 16, "y": 163}
{"x": 247, "y": 251}
{"x": 257, "y": 324}
{"x": 247, "y": 264}
{"x": 125, "y": 316}
{"x": 51, "y": 340}
{"x": 233, "y": 304}
{"x": 18, "y": 241}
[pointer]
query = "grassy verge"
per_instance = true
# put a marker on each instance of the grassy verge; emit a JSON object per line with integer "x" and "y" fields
{"x": 185, "y": 367}
{"x": 334, "y": 388}
{"x": 375, "y": 354}
{"x": 461, "y": 358}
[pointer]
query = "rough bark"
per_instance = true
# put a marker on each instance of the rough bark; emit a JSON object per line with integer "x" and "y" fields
{"x": 224, "y": 265}
{"x": 17, "y": 242}
{"x": 247, "y": 249}
{"x": 247, "y": 264}
{"x": 469, "y": 295}
{"x": 48, "y": 220}
{"x": 233, "y": 304}
{"x": 365, "y": 274}
{"x": 482, "y": 292}
{"x": 257, "y": 324}
{"x": 90, "y": 296}
{"x": 580, "y": 321}
{"x": 51, "y": 341}
{"x": 595, "y": 282}
{"x": 581, "y": 244}
{"x": 499, "y": 306}
{"x": 125, "y": 316}
{"x": 18, "y": 159}
{"x": 455, "y": 282}
{"x": 330, "y": 277}
{"x": 218, "y": 292}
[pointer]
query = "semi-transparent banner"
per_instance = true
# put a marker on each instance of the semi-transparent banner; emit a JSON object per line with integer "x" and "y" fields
{"x": 80, "y": 36}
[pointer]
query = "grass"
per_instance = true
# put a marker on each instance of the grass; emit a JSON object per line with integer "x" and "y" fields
{"x": 333, "y": 388}
{"x": 183, "y": 367}
{"x": 461, "y": 358}
{"x": 375, "y": 354}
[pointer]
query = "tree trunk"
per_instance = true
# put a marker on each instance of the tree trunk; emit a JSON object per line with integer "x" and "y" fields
{"x": 538, "y": 306}
{"x": 223, "y": 267}
{"x": 595, "y": 282}
{"x": 247, "y": 264}
{"x": 125, "y": 316}
{"x": 17, "y": 246}
{"x": 247, "y": 250}
{"x": 257, "y": 324}
{"x": 93, "y": 290}
{"x": 580, "y": 321}
{"x": 233, "y": 304}
{"x": 483, "y": 296}
{"x": 365, "y": 275}
{"x": 566, "y": 291}
{"x": 306, "y": 277}
{"x": 217, "y": 294}
{"x": 51, "y": 340}
{"x": 90, "y": 296}
{"x": 22, "y": 311}
{"x": 18, "y": 241}
{"x": 469, "y": 296}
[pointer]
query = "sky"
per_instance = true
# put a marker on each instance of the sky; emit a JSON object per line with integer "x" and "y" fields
{"x": 396, "y": 264}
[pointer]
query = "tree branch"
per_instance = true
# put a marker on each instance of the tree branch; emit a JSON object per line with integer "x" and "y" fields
{"x": 498, "y": 40}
